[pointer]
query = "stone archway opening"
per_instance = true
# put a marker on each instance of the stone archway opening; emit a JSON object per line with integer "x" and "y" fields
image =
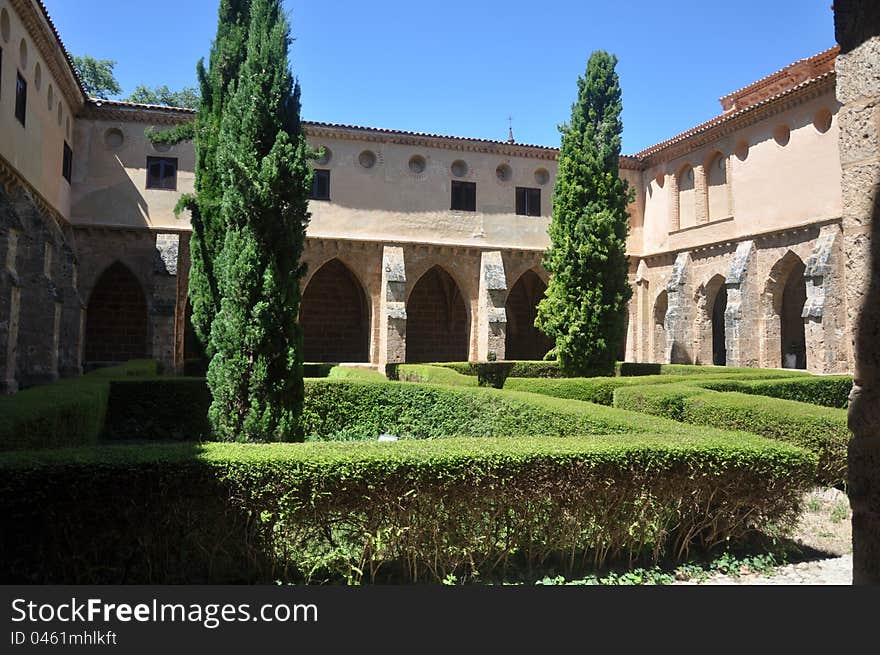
{"x": 335, "y": 317}
{"x": 436, "y": 320}
{"x": 661, "y": 306}
{"x": 719, "y": 337}
{"x": 116, "y": 318}
{"x": 524, "y": 340}
{"x": 793, "y": 339}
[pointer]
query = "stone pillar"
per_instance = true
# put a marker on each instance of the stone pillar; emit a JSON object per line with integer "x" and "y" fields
{"x": 72, "y": 308}
{"x": 674, "y": 203}
{"x": 182, "y": 301}
{"x": 163, "y": 300}
{"x": 392, "y": 308}
{"x": 491, "y": 313}
{"x": 857, "y": 27}
{"x": 678, "y": 323}
{"x": 740, "y": 329}
{"x": 641, "y": 317}
{"x": 37, "y": 354}
{"x": 701, "y": 195}
{"x": 10, "y": 295}
{"x": 825, "y": 309}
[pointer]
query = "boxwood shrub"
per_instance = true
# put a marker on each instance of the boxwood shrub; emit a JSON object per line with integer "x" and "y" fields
{"x": 69, "y": 412}
{"x": 828, "y": 391}
{"x": 379, "y": 512}
{"x": 823, "y": 430}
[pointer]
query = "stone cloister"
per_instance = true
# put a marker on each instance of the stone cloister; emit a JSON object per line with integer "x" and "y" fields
{"x": 775, "y": 301}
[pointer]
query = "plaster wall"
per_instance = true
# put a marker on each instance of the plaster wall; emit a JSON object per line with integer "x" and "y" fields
{"x": 36, "y": 149}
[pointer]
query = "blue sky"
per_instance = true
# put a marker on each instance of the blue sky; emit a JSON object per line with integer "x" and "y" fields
{"x": 462, "y": 67}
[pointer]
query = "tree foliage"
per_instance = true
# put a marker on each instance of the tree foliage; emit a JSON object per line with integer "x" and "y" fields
{"x": 97, "y": 76}
{"x": 584, "y": 309}
{"x": 187, "y": 97}
{"x": 262, "y": 167}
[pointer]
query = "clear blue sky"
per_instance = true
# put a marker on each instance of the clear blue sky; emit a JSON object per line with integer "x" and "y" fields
{"x": 462, "y": 67}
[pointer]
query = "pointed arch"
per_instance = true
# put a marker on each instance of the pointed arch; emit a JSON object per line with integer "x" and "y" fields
{"x": 335, "y": 316}
{"x": 524, "y": 340}
{"x": 437, "y": 319}
{"x": 116, "y": 318}
{"x": 783, "y": 299}
{"x": 710, "y": 327}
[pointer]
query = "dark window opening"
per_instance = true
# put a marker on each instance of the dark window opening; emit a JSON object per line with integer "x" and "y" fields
{"x": 162, "y": 173}
{"x": 464, "y": 196}
{"x": 20, "y": 99}
{"x": 67, "y": 163}
{"x": 320, "y": 185}
{"x": 528, "y": 201}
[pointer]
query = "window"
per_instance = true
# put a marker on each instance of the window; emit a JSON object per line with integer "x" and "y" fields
{"x": 321, "y": 185}
{"x": 528, "y": 201}
{"x": 162, "y": 173}
{"x": 67, "y": 163}
{"x": 464, "y": 196}
{"x": 20, "y": 99}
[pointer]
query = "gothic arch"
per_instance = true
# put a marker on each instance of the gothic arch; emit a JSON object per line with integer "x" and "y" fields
{"x": 783, "y": 302}
{"x": 335, "y": 316}
{"x": 437, "y": 325}
{"x": 524, "y": 340}
{"x": 710, "y": 327}
{"x": 116, "y": 317}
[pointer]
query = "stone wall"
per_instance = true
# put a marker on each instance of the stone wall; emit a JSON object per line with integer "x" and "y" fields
{"x": 40, "y": 307}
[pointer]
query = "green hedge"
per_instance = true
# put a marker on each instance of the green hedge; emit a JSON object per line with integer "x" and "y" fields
{"x": 408, "y": 511}
{"x": 828, "y": 391}
{"x": 69, "y": 412}
{"x": 601, "y": 389}
{"x": 721, "y": 371}
{"x": 520, "y": 369}
{"x": 158, "y": 409}
{"x": 822, "y": 430}
{"x": 432, "y": 374}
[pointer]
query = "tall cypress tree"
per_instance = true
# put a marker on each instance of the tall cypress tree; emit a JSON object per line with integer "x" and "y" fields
{"x": 584, "y": 309}
{"x": 225, "y": 60}
{"x": 255, "y": 374}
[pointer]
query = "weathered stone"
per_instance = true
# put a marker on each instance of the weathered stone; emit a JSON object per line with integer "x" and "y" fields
{"x": 491, "y": 314}
{"x": 740, "y": 335}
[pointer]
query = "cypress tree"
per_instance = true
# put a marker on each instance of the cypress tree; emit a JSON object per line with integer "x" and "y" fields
{"x": 584, "y": 307}
{"x": 225, "y": 60}
{"x": 255, "y": 374}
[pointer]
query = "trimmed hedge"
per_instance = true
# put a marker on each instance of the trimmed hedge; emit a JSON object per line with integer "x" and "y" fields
{"x": 431, "y": 374}
{"x": 601, "y": 389}
{"x": 721, "y": 371}
{"x": 69, "y": 412}
{"x": 409, "y": 511}
{"x": 828, "y": 391}
{"x": 521, "y": 368}
{"x": 356, "y": 373}
{"x": 158, "y": 409}
{"x": 822, "y": 430}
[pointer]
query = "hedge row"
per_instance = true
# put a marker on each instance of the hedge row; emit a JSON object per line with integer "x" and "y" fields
{"x": 410, "y": 511}
{"x": 601, "y": 389}
{"x": 828, "y": 391}
{"x": 70, "y": 412}
{"x": 821, "y": 430}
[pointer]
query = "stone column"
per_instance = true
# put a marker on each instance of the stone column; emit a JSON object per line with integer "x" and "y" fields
{"x": 857, "y": 28}
{"x": 37, "y": 339}
{"x": 491, "y": 313}
{"x": 72, "y": 308}
{"x": 392, "y": 308}
{"x": 701, "y": 195}
{"x": 825, "y": 309}
{"x": 678, "y": 323}
{"x": 163, "y": 301}
{"x": 740, "y": 326}
{"x": 644, "y": 321}
{"x": 182, "y": 301}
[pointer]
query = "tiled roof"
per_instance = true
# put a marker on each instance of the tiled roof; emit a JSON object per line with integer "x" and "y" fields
{"x": 63, "y": 47}
{"x": 731, "y": 115}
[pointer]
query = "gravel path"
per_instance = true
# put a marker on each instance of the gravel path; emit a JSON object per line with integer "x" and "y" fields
{"x": 832, "y": 571}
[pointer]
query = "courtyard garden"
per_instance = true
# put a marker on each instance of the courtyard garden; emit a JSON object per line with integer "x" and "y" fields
{"x": 427, "y": 478}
